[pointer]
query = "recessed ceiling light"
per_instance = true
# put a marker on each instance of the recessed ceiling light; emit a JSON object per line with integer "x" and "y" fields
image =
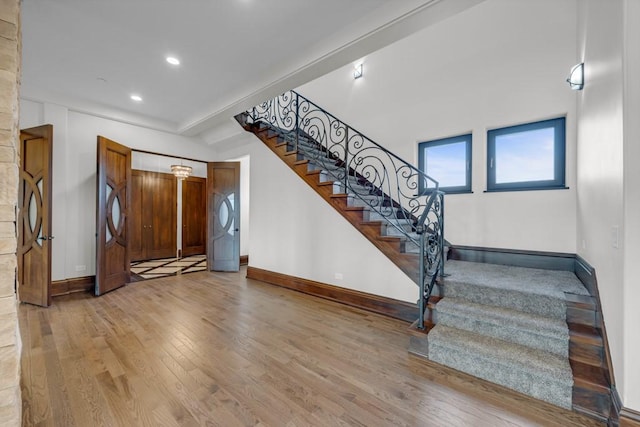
{"x": 173, "y": 61}
{"x": 136, "y": 98}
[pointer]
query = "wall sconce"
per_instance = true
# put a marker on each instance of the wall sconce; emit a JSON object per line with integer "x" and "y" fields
{"x": 357, "y": 71}
{"x": 576, "y": 77}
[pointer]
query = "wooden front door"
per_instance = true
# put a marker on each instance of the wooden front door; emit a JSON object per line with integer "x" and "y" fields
{"x": 34, "y": 221}
{"x": 153, "y": 216}
{"x": 113, "y": 204}
{"x": 223, "y": 207}
{"x": 194, "y": 216}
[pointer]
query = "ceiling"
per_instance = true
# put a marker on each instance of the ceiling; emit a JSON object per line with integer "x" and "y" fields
{"x": 91, "y": 55}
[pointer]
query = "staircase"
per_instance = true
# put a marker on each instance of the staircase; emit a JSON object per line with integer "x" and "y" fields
{"x": 396, "y": 206}
{"x": 526, "y": 329}
{"x": 535, "y": 331}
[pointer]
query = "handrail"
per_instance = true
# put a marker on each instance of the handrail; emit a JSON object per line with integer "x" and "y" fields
{"x": 401, "y": 195}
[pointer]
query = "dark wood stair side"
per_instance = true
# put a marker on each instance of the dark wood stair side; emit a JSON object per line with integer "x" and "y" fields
{"x": 591, "y": 390}
{"x": 592, "y": 393}
{"x": 586, "y": 344}
{"x": 357, "y": 216}
{"x": 582, "y": 309}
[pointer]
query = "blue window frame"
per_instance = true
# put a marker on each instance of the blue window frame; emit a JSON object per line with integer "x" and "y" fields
{"x": 527, "y": 157}
{"x": 448, "y": 161}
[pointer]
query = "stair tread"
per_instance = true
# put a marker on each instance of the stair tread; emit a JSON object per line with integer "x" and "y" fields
{"x": 508, "y": 354}
{"x": 390, "y": 238}
{"x": 302, "y": 162}
{"x": 515, "y": 326}
{"x": 589, "y": 376}
{"x": 373, "y": 223}
{"x": 548, "y": 283}
{"x": 506, "y": 316}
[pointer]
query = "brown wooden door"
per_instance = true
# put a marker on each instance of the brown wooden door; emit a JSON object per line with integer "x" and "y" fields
{"x": 223, "y": 210}
{"x": 162, "y": 214}
{"x": 34, "y": 222}
{"x": 153, "y": 216}
{"x": 112, "y": 224}
{"x": 194, "y": 216}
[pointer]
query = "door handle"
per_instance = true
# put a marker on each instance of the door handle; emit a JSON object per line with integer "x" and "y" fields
{"x": 46, "y": 238}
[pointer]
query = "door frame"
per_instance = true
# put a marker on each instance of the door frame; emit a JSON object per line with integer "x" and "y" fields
{"x": 188, "y": 250}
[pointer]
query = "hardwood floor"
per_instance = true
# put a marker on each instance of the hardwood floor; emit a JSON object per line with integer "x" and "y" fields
{"x": 208, "y": 349}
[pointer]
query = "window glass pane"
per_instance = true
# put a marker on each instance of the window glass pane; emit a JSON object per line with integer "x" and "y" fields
{"x": 525, "y": 156}
{"x": 447, "y": 164}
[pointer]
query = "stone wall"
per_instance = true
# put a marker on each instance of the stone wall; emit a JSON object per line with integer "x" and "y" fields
{"x": 10, "y": 345}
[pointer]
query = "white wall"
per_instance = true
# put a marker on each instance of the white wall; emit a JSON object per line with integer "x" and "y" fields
{"x": 493, "y": 65}
{"x": 631, "y": 99}
{"x": 74, "y": 175}
{"x": 600, "y": 161}
{"x": 609, "y": 177}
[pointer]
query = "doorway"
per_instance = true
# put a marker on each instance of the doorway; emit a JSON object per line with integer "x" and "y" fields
{"x": 168, "y": 216}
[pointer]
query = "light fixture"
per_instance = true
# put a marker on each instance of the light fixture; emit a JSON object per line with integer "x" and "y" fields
{"x": 357, "y": 71}
{"x": 181, "y": 171}
{"x": 136, "y": 98}
{"x": 173, "y": 60}
{"x": 576, "y": 77}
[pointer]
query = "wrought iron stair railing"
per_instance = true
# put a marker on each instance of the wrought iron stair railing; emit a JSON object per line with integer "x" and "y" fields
{"x": 395, "y": 191}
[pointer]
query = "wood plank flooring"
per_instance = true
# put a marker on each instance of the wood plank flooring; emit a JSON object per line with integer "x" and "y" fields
{"x": 216, "y": 349}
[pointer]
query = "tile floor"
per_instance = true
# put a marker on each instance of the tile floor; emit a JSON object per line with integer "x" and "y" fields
{"x": 167, "y": 267}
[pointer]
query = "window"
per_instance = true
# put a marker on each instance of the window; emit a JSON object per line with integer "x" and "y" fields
{"x": 526, "y": 157}
{"x": 448, "y": 161}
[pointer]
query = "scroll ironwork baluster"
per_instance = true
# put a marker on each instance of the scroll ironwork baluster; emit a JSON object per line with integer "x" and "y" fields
{"x": 346, "y": 159}
{"x": 421, "y": 301}
{"x": 297, "y": 121}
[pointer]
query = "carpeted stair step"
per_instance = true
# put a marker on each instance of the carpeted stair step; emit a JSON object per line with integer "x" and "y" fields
{"x": 537, "y": 373}
{"x": 364, "y": 200}
{"x": 529, "y": 290}
{"x": 531, "y": 330}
